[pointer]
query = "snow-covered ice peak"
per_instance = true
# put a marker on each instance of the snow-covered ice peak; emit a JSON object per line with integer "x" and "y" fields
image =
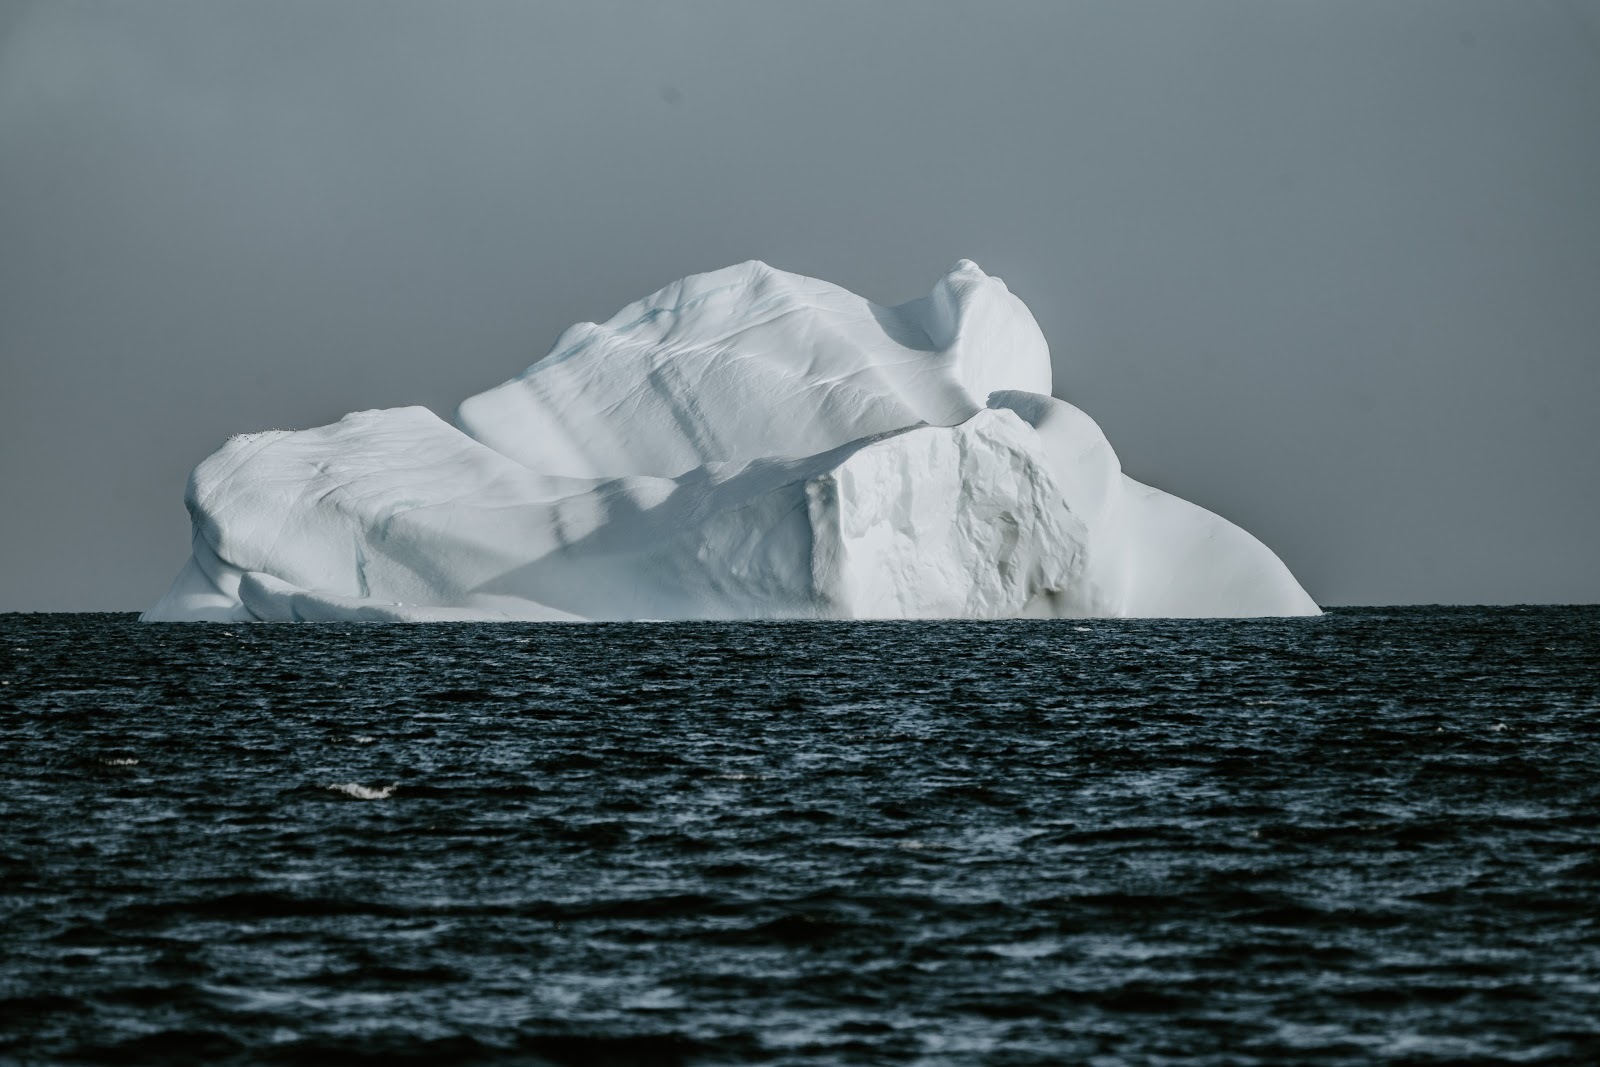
{"x": 749, "y": 361}
{"x": 746, "y": 443}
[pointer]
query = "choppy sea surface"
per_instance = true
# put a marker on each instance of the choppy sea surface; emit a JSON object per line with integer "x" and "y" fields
{"x": 1372, "y": 837}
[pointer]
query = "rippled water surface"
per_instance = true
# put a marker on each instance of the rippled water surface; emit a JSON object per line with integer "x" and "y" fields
{"x": 1370, "y": 837}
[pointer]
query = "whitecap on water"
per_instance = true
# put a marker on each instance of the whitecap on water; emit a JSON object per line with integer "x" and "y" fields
{"x": 363, "y": 792}
{"x": 120, "y": 762}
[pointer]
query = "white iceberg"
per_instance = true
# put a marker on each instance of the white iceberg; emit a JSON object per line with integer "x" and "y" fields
{"x": 742, "y": 444}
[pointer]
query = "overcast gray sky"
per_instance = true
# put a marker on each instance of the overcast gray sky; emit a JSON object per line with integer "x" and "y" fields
{"x": 1330, "y": 269}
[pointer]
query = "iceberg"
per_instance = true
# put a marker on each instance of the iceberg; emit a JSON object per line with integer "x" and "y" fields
{"x": 743, "y": 444}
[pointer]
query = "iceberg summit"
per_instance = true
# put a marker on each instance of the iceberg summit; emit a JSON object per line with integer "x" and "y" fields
{"x": 744, "y": 444}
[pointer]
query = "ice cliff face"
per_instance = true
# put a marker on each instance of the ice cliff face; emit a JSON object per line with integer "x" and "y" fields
{"x": 742, "y": 444}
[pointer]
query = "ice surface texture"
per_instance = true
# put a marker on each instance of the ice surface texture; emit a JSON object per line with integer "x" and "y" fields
{"x": 742, "y": 444}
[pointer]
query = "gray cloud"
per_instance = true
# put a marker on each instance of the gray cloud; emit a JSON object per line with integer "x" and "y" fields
{"x": 1330, "y": 269}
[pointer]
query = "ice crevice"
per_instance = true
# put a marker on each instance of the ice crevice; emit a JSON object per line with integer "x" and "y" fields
{"x": 742, "y": 444}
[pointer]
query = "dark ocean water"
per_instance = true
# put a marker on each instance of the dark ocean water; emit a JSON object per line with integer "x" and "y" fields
{"x": 1372, "y": 837}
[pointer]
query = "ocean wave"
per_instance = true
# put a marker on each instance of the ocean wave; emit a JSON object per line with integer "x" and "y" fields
{"x": 364, "y": 792}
